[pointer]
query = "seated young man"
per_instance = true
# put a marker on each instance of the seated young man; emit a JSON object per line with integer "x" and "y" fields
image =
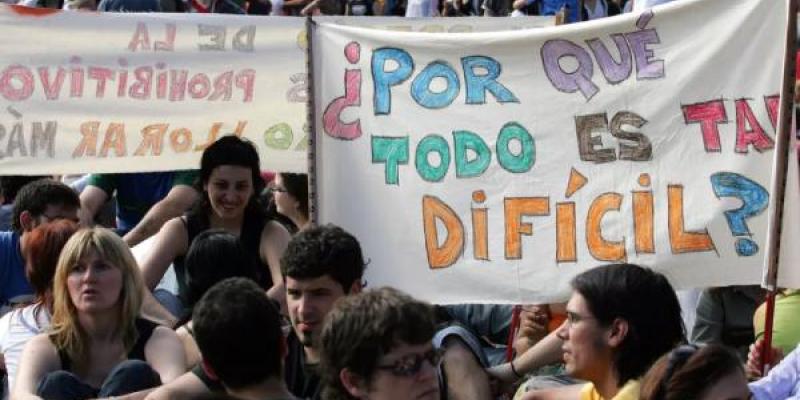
{"x": 238, "y": 331}
{"x": 37, "y": 203}
{"x": 378, "y": 345}
{"x": 320, "y": 265}
{"x": 620, "y": 319}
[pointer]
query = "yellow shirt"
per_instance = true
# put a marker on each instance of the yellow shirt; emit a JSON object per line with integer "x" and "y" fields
{"x": 628, "y": 392}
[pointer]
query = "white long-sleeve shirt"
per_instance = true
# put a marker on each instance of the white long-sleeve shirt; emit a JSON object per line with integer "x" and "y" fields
{"x": 782, "y": 382}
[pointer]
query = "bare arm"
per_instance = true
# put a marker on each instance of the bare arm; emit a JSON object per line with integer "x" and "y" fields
{"x": 274, "y": 239}
{"x": 38, "y": 359}
{"x": 164, "y": 351}
{"x": 178, "y": 200}
{"x": 188, "y": 386}
{"x": 154, "y": 311}
{"x": 546, "y": 351}
{"x": 92, "y": 199}
{"x": 519, "y": 4}
{"x": 171, "y": 241}
{"x": 193, "y": 356}
{"x": 310, "y": 7}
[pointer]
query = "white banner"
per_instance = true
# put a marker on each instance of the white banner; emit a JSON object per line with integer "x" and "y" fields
{"x": 91, "y": 92}
{"x": 494, "y": 167}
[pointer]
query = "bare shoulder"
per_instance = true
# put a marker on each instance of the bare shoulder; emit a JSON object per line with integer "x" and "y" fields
{"x": 274, "y": 230}
{"x": 42, "y": 343}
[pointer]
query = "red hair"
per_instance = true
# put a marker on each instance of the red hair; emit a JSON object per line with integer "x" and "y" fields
{"x": 42, "y": 248}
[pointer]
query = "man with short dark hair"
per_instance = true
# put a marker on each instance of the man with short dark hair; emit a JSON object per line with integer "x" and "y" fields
{"x": 37, "y": 203}
{"x": 320, "y": 265}
{"x": 238, "y": 331}
{"x": 9, "y": 186}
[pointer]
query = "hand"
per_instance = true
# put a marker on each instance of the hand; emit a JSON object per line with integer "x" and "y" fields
{"x": 533, "y": 320}
{"x": 754, "y": 368}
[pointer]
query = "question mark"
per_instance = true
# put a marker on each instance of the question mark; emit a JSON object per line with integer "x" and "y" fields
{"x": 331, "y": 122}
{"x": 754, "y": 200}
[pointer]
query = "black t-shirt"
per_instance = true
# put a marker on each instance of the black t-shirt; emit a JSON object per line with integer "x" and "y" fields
{"x": 302, "y": 379}
{"x": 144, "y": 330}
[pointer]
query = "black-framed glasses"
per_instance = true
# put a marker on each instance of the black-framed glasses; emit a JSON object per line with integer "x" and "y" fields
{"x": 277, "y": 189}
{"x": 411, "y": 364}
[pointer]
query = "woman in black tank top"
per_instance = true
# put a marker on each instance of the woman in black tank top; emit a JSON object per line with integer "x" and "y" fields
{"x": 230, "y": 179}
{"x": 97, "y": 346}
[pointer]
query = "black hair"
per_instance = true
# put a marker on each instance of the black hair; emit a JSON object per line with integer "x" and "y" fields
{"x": 10, "y": 185}
{"x": 238, "y": 331}
{"x": 297, "y": 186}
{"x": 35, "y": 196}
{"x": 645, "y": 299}
{"x": 363, "y": 327}
{"x": 231, "y": 150}
{"x": 215, "y": 255}
{"x": 324, "y": 250}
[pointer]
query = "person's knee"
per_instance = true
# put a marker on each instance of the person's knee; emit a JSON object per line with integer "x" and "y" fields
{"x": 62, "y": 385}
{"x": 457, "y": 352}
{"x": 460, "y": 346}
{"x": 130, "y": 376}
{"x": 58, "y": 379}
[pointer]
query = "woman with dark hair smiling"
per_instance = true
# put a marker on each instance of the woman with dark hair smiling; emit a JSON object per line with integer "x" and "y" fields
{"x": 230, "y": 179}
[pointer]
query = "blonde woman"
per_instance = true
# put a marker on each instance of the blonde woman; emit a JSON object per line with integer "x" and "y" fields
{"x": 97, "y": 347}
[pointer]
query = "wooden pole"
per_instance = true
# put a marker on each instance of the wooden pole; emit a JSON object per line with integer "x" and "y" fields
{"x": 778, "y": 186}
{"x": 311, "y": 121}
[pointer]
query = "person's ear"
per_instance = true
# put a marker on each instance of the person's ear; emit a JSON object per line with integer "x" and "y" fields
{"x": 617, "y": 332}
{"x": 26, "y": 221}
{"x": 353, "y": 383}
{"x": 356, "y": 287}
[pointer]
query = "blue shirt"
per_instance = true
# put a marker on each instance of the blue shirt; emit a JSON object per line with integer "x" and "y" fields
{"x": 782, "y": 382}
{"x": 13, "y": 282}
{"x": 551, "y": 7}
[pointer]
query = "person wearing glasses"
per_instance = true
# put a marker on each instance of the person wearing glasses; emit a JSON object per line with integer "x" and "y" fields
{"x": 620, "y": 319}
{"x": 692, "y": 372}
{"x": 39, "y": 202}
{"x": 290, "y": 196}
{"x": 378, "y": 345}
{"x": 238, "y": 331}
